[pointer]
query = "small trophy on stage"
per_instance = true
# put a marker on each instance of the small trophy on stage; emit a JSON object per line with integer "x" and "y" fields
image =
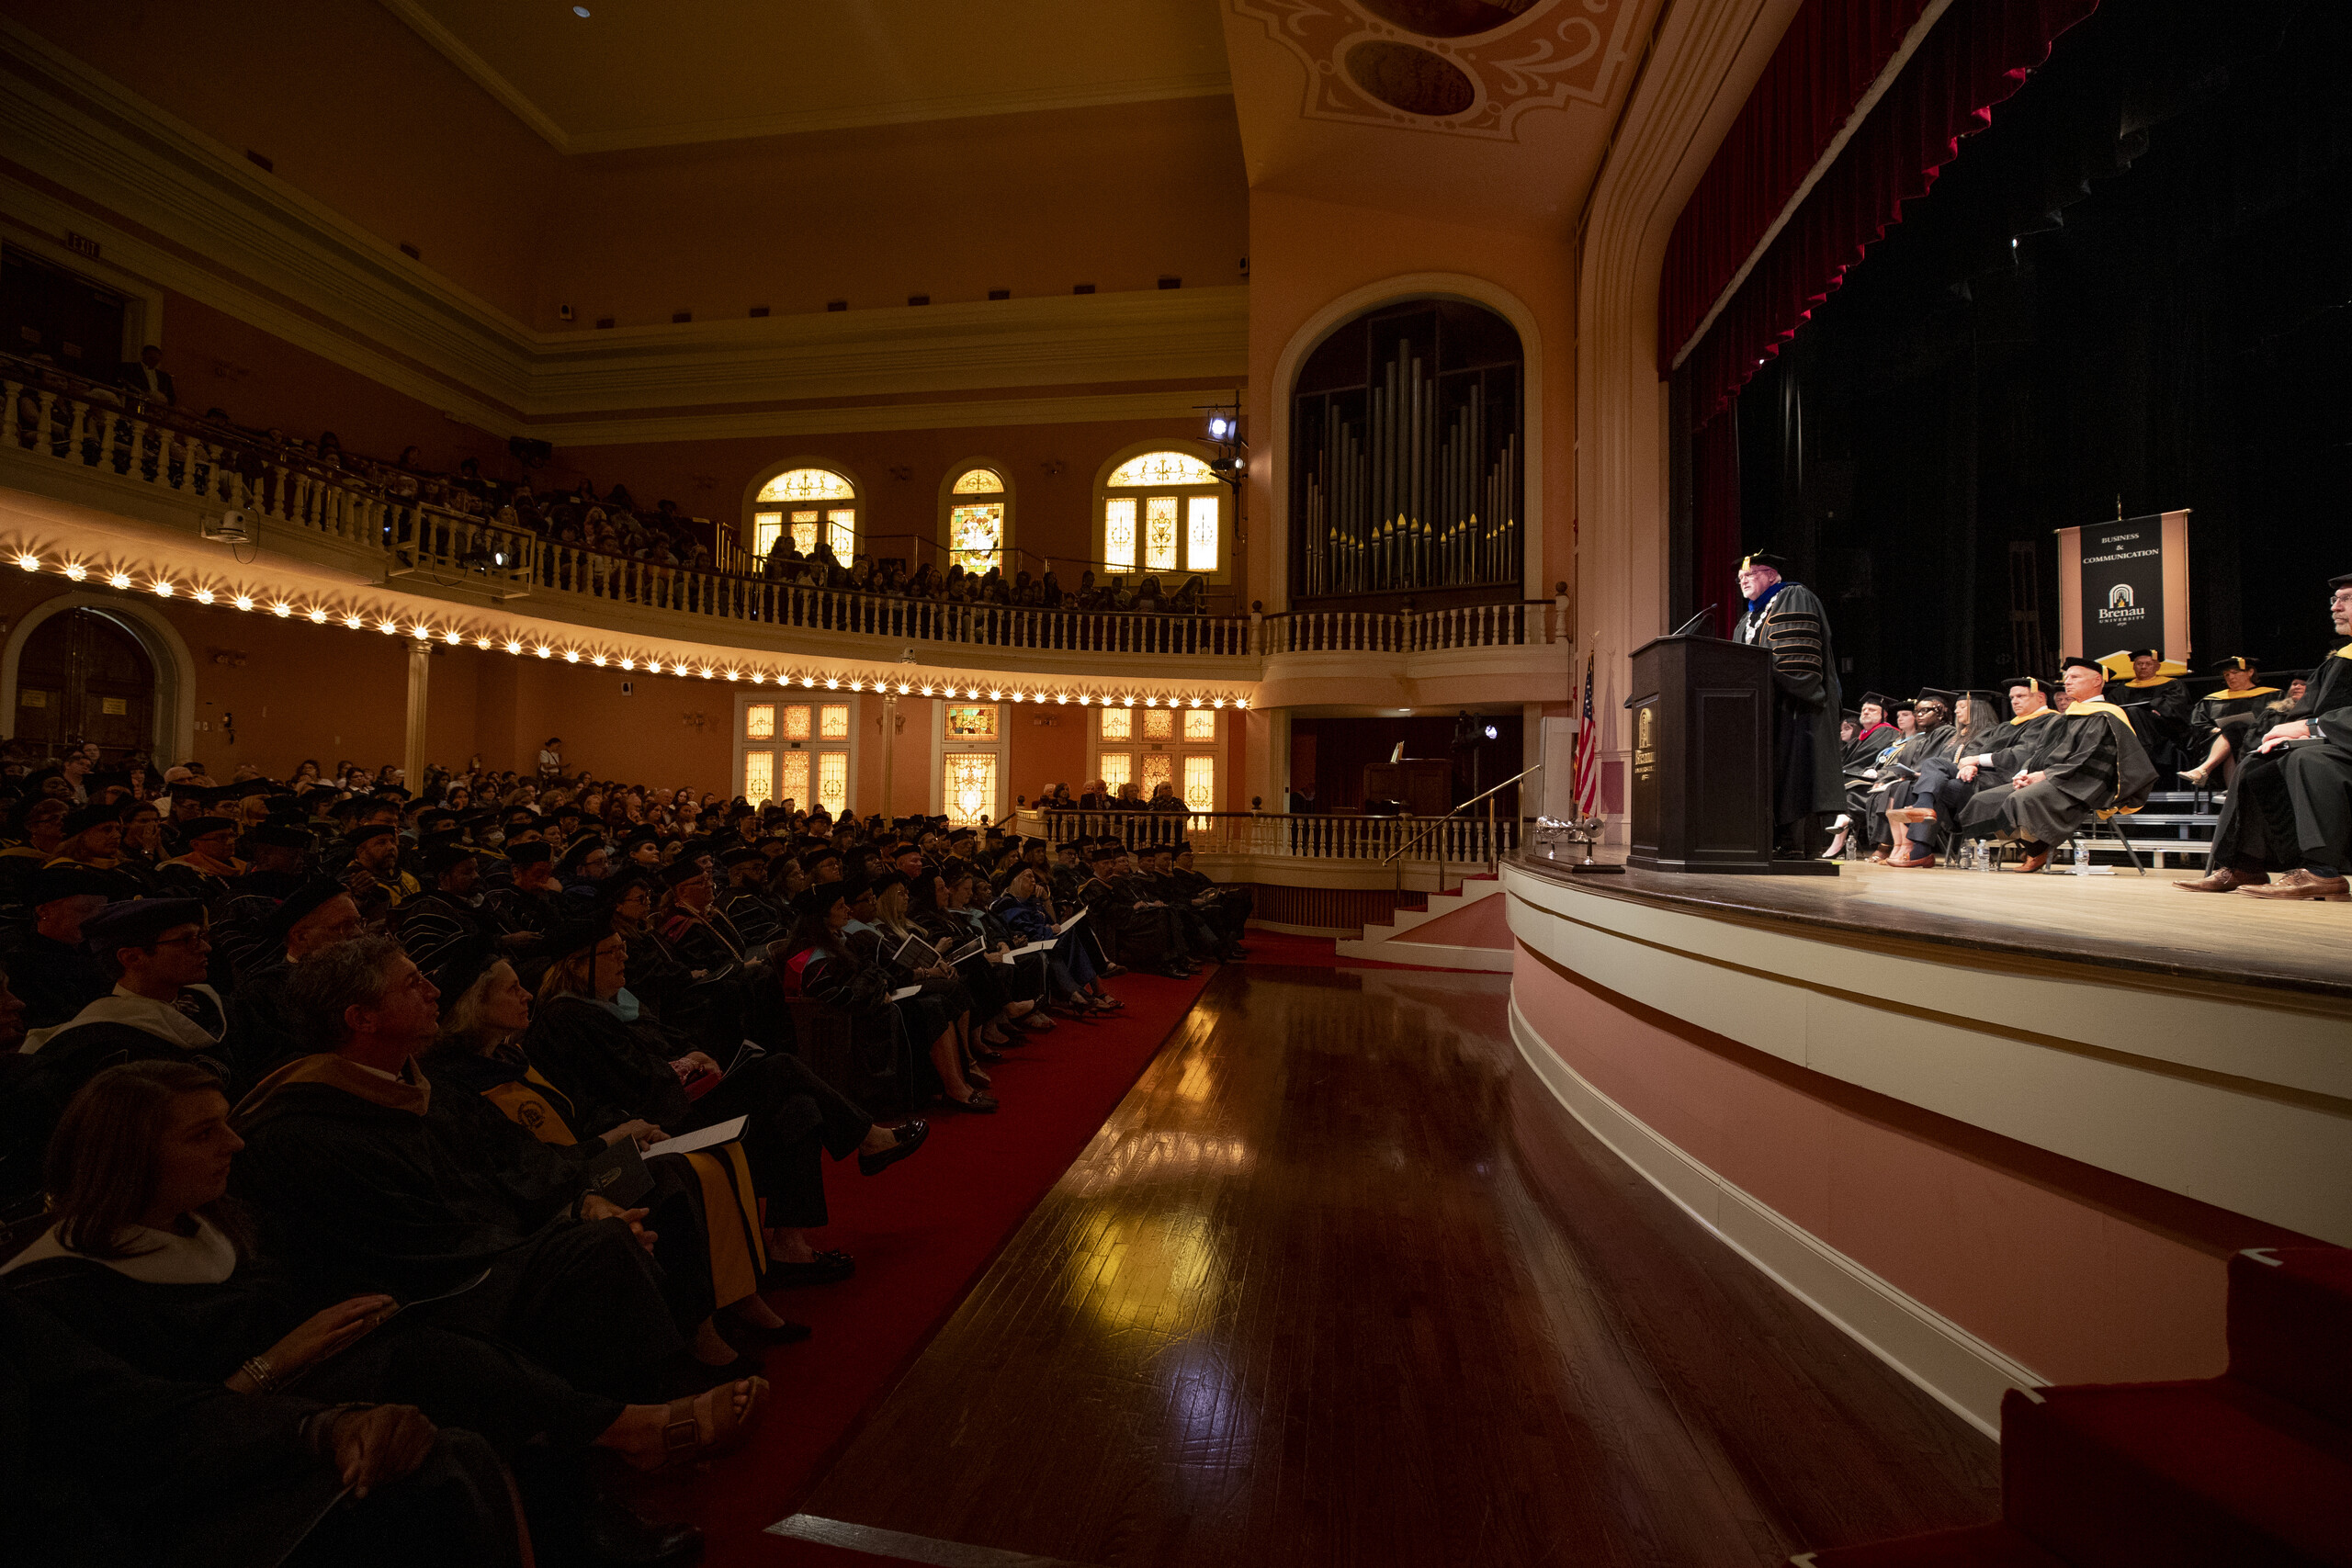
{"x": 1552, "y": 832}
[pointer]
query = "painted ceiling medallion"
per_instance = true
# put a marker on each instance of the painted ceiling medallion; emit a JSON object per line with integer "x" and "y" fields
{"x": 1463, "y": 67}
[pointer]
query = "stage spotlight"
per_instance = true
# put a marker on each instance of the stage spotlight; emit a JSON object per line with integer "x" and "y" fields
{"x": 1220, "y": 427}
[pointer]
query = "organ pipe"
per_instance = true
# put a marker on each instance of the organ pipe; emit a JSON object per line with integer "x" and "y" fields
{"x": 1409, "y": 484}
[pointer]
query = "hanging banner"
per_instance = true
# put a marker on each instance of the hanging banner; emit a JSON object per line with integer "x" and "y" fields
{"x": 2125, "y": 585}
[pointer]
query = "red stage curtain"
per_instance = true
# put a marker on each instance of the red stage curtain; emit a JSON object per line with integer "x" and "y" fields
{"x": 1832, "y": 52}
{"x": 1715, "y": 484}
{"x": 1976, "y": 56}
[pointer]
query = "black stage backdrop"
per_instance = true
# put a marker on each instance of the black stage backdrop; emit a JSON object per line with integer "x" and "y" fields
{"x": 2132, "y": 294}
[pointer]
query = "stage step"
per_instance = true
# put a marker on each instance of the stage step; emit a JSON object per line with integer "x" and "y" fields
{"x": 1979, "y": 1546}
{"x": 2290, "y": 1325}
{"x": 2175, "y": 1475}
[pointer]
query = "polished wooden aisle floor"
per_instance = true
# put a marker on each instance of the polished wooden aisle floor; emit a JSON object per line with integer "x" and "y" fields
{"x": 1339, "y": 1282}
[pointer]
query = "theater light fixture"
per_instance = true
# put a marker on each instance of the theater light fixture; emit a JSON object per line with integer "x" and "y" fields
{"x": 204, "y": 596}
{"x": 77, "y": 572}
{"x": 119, "y": 580}
{"x": 31, "y": 563}
{"x": 163, "y": 590}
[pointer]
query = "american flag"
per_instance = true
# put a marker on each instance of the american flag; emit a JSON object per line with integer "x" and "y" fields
{"x": 1587, "y": 773}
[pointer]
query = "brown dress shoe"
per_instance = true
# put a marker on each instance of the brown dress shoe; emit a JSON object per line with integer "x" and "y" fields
{"x": 2225, "y": 881}
{"x": 2300, "y": 883}
{"x": 1905, "y": 861}
{"x": 2034, "y": 862}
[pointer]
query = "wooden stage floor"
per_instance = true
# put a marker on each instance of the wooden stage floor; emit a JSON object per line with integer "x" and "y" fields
{"x": 2125, "y": 923}
{"x": 1339, "y": 1282}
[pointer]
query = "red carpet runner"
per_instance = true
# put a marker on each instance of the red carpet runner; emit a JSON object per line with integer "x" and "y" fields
{"x": 922, "y": 1232}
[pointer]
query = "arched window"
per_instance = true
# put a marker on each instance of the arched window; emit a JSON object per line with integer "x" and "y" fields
{"x": 814, "y": 503}
{"x": 979, "y": 519}
{"x": 1162, "y": 512}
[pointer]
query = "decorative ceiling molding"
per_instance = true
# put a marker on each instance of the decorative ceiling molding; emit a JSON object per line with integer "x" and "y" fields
{"x": 198, "y": 219}
{"x": 905, "y": 111}
{"x": 1367, "y": 65}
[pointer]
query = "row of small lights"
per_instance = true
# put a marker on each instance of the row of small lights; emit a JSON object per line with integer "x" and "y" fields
{"x": 319, "y": 616}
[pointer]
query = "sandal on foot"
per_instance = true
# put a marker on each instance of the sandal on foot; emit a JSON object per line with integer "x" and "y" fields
{"x": 689, "y": 1438}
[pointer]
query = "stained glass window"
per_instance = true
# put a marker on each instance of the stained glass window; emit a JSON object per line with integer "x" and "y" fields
{"x": 841, "y": 523}
{"x": 1159, "y": 723}
{"x": 804, "y": 531}
{"x": 807, "y": 484}
{"x": 1159, "y": 534}
{"x": 832, "y": 780}
{"x": 1200, "y": 783}
{"x": 1158, "y": 468}
{"x": 1117, "y": 768}
{"x": 765, "y": 526}
{"x": 1158, "y": 768}
{"x": 965, "y": 722}
{"x": 979, "y": 481}
{"x": 967, "y": 789}
{"x": 1200, "y": 724}
{"x": 833, "y": 722}
{"x": 1200, "y": 533}
{"x": 1119, "y": 535}
{"x": 759, "y": 722}
{"x": 1118, "y": 724}
{"x": 796, "y": 723}
{"x": 758, "y": 775}
{"x": 975, "y": 535}
{"x": 792, "y": 783}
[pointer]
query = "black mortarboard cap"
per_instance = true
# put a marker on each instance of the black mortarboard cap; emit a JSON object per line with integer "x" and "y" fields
{"x": 140, "y": 922}
{"x": 1764, "y": 558}
{"x": 2236, "y": 661}
{"x": 68, "y": 880}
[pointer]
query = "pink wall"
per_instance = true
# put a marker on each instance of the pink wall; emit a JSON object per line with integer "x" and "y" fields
{"x": 1118, "y": 196}
{"x": 2083, "y": 1276}
{"x": 354, "y": 110}
{"x": 262, "y": 382}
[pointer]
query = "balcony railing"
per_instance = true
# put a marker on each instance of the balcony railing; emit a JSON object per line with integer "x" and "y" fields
{"x": 1369, "y": 840}
{"x": 86, "y": 424}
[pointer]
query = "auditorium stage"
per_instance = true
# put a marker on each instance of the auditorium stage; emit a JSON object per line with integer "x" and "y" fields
{"x": 2122, "y": 922}
{"x": 1338, "y": 1282}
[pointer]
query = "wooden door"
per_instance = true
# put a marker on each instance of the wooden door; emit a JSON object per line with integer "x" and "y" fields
{"x": 82, "y": 677}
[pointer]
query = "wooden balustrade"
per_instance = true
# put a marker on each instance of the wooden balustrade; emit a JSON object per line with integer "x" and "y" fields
{"x": 98, "y": 427}
{"x": 1335, "y": 836}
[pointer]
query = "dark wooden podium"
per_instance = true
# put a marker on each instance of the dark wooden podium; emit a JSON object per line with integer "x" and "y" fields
{"x": 1700, "y": 788}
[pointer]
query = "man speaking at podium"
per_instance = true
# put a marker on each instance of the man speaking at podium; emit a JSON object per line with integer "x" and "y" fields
{"x": 1808, "y": 776}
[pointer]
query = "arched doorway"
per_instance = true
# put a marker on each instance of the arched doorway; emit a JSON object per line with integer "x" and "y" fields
{"x": 84, "y": 677}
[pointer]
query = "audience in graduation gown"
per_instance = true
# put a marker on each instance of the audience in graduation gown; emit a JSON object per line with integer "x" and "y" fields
{"x": 146, "y": 1262}
{"x": 2156, "y": 703}
{"x": 1946, "y": 778}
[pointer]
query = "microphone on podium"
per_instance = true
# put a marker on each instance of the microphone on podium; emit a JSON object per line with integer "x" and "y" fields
{"x": 1684, "y": 630}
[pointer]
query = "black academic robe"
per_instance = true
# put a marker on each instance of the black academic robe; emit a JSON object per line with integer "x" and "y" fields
{"x": 56, "y": 979}
{"x": 603, "y": 1060}
{"x": 1808, "y": 774}
{"x": 377, "y": 1195}
{"x": 206, "y": 1332}
{"x": 2292, "y": 806}
{"x": 262, "y": 1035}
{"x": 2091, "y": 761}
{"x": 2230, "y": 714}
{"x": 2159, "y": 710}
{"x": 1131, "y": 933}
{"x": 71, "y": 1057}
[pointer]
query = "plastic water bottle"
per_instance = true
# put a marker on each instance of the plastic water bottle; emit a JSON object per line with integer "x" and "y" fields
{"x": 1984, "y": 854}
{"x": 2082, "y": 859}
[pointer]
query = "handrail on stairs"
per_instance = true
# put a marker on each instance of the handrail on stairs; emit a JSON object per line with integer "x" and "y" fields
{"x": 1397, "y": 857}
